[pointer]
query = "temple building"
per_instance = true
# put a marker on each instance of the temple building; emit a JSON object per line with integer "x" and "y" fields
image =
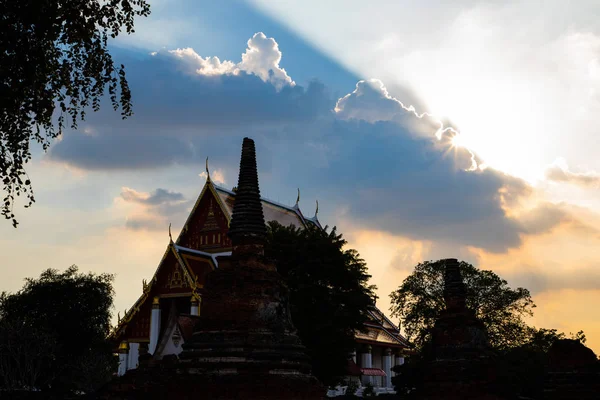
{"x": 167, "y": 312}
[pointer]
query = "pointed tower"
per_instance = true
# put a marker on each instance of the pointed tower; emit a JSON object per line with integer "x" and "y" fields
{"x": 247, "y": 225}
{"x": 460, "y": 362}
{"x": 246, "y": 343}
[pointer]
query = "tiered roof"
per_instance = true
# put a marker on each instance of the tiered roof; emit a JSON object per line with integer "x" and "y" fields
{"x": 192, "y": 263}
{"x": 381, "y": 330}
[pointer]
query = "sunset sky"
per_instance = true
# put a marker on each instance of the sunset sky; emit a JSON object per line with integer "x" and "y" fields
{"x": 462, "y": 129}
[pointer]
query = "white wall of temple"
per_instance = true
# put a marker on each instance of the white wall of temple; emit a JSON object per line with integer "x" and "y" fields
{"x": 132, "y": 359}
{"x": 366, "y": 362}
{"x": 377, "y": 354}
{"x": 172, "y": 347}
{"x": 154, "y": 325}
{"x": 123, "y": 357}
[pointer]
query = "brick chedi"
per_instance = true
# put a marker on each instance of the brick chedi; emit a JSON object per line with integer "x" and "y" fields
{"x": 460, "y": 364}
{"x": 573, "y": 372}
{"x": 244, "y": 345}
{"x": 246, "y": 338}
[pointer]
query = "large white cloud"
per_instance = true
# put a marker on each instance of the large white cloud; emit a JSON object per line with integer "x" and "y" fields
{"x": 261, "y": 58}
{"x": 522, "y": 82}
{"x": 370, "y": 101}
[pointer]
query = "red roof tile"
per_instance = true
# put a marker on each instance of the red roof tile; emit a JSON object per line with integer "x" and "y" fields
{"x": 372, "y": 372}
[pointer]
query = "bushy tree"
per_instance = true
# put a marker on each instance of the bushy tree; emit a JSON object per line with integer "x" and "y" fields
{"x": 520, "y": 354}
{"x": 54, "y": 63}
{"x": 53, "y": 333}
{"x": 329, "y": 293}
{"x": 419, "y": 300}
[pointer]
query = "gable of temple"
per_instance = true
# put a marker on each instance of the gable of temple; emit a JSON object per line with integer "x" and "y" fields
{"x": 380, "y": 330}
{"x": 181, "y": 273}
{"x": 206, "y": 227}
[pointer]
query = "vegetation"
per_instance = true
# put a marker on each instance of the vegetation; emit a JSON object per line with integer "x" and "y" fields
{"x": 329, "y": 293}
{"x": 419, "y": 300}
{"x": 54, "y": 63}
{"x": 520, "y": 351}
{"x": 53, "y": 333}
{"x": 521, "y": 370}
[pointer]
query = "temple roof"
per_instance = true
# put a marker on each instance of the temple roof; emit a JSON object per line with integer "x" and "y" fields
{"x": 179, "y": 252}
{"x": 272, "y": 210}
{"x": 380, "y": 330}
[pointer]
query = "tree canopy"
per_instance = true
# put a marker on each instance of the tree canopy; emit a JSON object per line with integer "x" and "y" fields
{"x": 54, "y": 63}
{"x": 53, "y": 333}
{"x": 329, "y": 293}
{"x": 419, "y": 300}
{"x": 521, "y": 351}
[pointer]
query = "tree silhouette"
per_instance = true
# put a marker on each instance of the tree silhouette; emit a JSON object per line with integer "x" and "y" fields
{"x": 53, "y": 333}
{"x": 329, "y": 293}
{"x": 419, "y": 300}
{"x": 54, "y": 63}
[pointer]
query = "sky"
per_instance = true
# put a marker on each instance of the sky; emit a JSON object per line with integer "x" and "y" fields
{"x": 461, "y": 129}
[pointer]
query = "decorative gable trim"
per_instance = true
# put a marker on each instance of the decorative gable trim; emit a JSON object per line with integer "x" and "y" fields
{"x": 122, "y": 323}
{"x": 208, "y": 186}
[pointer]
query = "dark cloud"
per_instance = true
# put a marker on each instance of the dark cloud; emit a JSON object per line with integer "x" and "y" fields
{"x": 383, "y": 174}
{"x": 174, "y": 108}
{"x": 158, "y": 197}
{"x": 554, "y": 277}
{"x": 388, "y": 179}
{"x": 156, "y": 209}
{"x": 119, "y": 148}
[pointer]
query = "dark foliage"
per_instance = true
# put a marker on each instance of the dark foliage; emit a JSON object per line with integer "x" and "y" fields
{"x": 409, "y": 376}
{"x": 53, "y": 333}
{"x": 54, "y": 63}
{"x": 329, "y": 293}
{"x": 419, "y": 300}
{"x": 521, "y": 370}
{"x": 521, "y": 352}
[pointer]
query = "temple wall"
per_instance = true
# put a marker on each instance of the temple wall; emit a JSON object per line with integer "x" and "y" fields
{"x": 132, "y": 360}
{"x": 377, "y": 354}
{"x": 172, "y": 348}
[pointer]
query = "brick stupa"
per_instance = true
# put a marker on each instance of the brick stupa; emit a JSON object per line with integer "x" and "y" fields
{"x": 460, "y": 365}
{"x": 245, "y": 345}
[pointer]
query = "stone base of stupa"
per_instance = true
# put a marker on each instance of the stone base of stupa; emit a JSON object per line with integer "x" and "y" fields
{"x": 464, "y": 379}
{"x": 173, "y": 382}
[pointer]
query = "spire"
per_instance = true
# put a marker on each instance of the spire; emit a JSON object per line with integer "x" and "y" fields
{"x": 207, "y": 172}
{"x": 170, "y": 237}
{"x": 247, "y": 221}
{"x": 454, "y": 287}
{"x": 317, "y": 209}
{"x": 297, "y": 199}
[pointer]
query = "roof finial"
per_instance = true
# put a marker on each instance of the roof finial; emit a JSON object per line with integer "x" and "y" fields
{"x": 317, "y": 210}
{"x": 207, "y": 172}
{"x": 170, "y": 237}
{"x": 298, "y": 198}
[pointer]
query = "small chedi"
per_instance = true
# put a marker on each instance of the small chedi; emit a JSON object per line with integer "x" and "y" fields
{"x": 460, "y": 362}
{"x": 244, "y": 345}
{"x": 573, "y": 372}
